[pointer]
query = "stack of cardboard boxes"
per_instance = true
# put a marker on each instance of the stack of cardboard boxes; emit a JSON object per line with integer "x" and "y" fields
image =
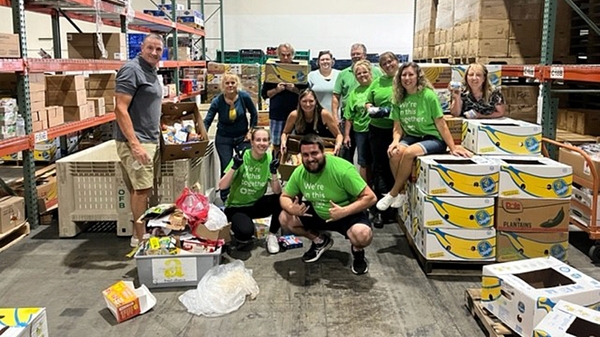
{"x": 101, "y": 92}
{"x": 248, "y": 73}
{"x": 68, "y": 91}
{"x": 85, "y": 46}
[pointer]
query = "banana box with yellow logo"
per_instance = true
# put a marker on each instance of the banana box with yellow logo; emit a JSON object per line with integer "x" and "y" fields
{"x": 295, "y": 72}
{"x": 534, "y": 177}
{"x": 23, "y": 322}
{"x": 180, "y": 270}
{"x": 125, "y": 301}
{"x": 502, "y": 136}
{"x": 522, "y": 293}
{"x": 569, "y": 320}
{"x": 454, "y": 212}
{"x": 512, "y": 246}
{"x": 448, "y": 175}
{"x": 445, "y": 244}
{"x": 532, "y": 215}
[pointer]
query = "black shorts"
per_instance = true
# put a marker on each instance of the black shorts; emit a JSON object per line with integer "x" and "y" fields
{"x": 316, "y": 223}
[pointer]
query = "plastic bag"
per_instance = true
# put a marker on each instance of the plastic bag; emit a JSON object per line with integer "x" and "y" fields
{"x": 216, "y": 219}
{"x": 222, "y": 290}
{"x": 194, "y": 205}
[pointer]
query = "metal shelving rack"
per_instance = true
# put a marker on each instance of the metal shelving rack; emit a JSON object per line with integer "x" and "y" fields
{"x": 111, "y": 14}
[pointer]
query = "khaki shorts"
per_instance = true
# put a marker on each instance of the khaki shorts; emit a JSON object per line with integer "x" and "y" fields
{"x": 143, "y": 178}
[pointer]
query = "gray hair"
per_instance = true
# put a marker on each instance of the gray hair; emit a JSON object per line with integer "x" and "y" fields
{"x": 359, "y": 45}
{"x": 287, "y": 46}
{"x": 154, "y": 36}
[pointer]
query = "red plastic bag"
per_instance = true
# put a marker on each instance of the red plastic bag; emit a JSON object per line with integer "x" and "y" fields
{"x": 194, "y": 205}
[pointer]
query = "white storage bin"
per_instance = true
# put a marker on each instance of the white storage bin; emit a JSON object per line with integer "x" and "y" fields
{"x": 91, "y": 186}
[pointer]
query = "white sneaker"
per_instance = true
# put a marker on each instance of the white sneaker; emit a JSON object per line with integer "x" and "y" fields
{"x": 400, "y": 200}
{"x": 134, "y": 242}
{"x": 272, "y": 244}
{"x": 388, "y": 201}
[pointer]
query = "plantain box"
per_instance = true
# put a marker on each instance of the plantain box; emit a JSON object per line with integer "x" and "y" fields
{"x": 532, "y": 215}
{"x": 533, "y": 177}
{"x": 295, "y": 72}
{"x": 448, "y": 175}
{"x": 502, "y": 136}
{"x": 522, "y": 293}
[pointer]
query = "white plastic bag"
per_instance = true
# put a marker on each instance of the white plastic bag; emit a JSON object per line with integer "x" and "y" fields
{"x": 222, "y": 290}
{"x": 216, "y": 219}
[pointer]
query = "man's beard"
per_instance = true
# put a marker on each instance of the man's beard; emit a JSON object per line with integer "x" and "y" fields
{"x": 319, "y": 168}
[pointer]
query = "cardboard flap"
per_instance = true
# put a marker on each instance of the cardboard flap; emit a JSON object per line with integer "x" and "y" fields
{"x": 147, "y": 300}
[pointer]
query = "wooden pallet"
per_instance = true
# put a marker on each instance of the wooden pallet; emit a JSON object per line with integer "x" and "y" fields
{"x": 574, "y": 138}
{"x": 13, "y": 236}
{"x": 444, "y": 268}
{"x": 486, "y": 320}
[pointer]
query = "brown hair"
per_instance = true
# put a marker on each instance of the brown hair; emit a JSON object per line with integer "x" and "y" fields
{"x": 422, "y": 81}
{"x": 300, "y": 124}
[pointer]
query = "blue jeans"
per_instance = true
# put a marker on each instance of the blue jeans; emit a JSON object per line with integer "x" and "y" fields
{"x": 225, "y": 147}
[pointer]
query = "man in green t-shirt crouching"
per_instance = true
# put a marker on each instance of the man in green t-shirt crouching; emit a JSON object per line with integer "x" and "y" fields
{"x": 336, "y": 199}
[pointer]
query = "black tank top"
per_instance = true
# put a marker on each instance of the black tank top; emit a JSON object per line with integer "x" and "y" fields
{"x": 321, "y": 130}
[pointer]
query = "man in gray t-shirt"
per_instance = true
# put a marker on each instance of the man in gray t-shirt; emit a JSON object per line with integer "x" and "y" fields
{"x": 139, "y": 99}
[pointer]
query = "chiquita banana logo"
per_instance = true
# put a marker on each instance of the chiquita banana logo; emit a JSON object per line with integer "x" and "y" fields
{"x": 529, "y": 248}
{"x": 514, "y": 144}
{"x": 472, "y": 185}
{"x": 491, "y": 288}
{"x": 540, "y": 333}
{"x": 540, "y": 187}
{"x": 16, "y": 317}
{"x": 545, "y": 303}
{"x": 467, "y": 249}
{"x": 463, "y": 217}
{"x": 289, "y": 76}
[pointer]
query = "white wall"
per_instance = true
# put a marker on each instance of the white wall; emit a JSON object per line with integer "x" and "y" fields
{"x": 256, "y": 24}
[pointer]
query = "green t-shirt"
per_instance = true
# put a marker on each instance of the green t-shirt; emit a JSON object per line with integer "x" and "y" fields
{"x": 346, "y": 82}
{"x": 418, "y": 112}
{"x": 355, "y": 109}
{"x": 339, "y": 182}
{"x": 249, "y": 181}
{"x": 380, "y": 95}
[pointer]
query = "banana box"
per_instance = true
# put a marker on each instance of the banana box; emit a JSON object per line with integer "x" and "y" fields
{"x": 502, "y": 136}
{"x": 448, "y": 175}
{"x": 512, "y": 246}
{"x": 23, "y": 322}
{"x": 295, "y": 72}
{"x": 454, "y": 212}
{"x": 569, "y": 320}
{"x": 445, "y": 244}
{"x": 522, "y": 293}
{"x": 534, "y": 177}
{"x": 532, "y": 215}
{"x": 581, "y": 207}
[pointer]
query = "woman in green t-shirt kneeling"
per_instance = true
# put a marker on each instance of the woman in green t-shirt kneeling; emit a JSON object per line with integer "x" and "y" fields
{"x": 419, "y": 129}
{"x": 248, "y": 175}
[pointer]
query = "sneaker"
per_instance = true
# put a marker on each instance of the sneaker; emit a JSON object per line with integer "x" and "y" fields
{"x": 135, "y": 242}
{"x": 272, "y": 244}
{"x": 377, "y": 220}
{"x": 315, "y": 251}
{"x": 360, "y": 265}
{"x": 388, "y": 201}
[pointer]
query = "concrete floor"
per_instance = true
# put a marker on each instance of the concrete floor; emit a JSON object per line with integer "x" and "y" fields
{"x": 395, "y": 298}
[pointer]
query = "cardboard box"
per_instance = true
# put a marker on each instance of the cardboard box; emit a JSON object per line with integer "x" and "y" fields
{"x": 502, "y": 136}
{"x": 23, "y": 322}
{"x": 55, "y": 115}
{"x": 521, "y": 94}
{"x": 455, "y": 125}
{"x": 489, "y": 29}
{"x": 581, "y": 207}
{"x": 454, "y": 212}
{"x": 512, "y": 246}
{"x": 201, "y": 231}
{"x": 9, "y": 46}
{"x": 562, "y": 119}
{"x": 66, "y": 98}
{"x": 527, "y": 113}
{"x": 532, "y": 215}
{"x": 525, "y": 291}
{"x": 295, "y": 72}
{"x": 440, "y": 75}
{"x": 181, "y": 270}
{"x": 488, "y": 47}
{"x": 125, "y": 301}
{"x": 569, "y": 320}
{"x": 579, "y": 165}
{"x": 76, "y": 113}
{"x": 98, "y": 105}
{"x": 533, "y": 177}
{"x": 65, "y": 82}
{"x": 12, "y": 213}
{"x": 101, "y": 81}
{"x": 445, "y": 244}
{"x": 172, "y": 112}
{"x": 583, "y": 122}
{"x": 447, "y": 175}
{"x": 85, "y": 46}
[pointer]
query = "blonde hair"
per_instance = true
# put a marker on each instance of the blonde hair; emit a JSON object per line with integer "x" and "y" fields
{"x": 300, "y": 124}
{"x": 422, "y": 81}
{"x": 230, "y": 76}
{"x": 361, "y": 63}
{"x": 486, "y": 86}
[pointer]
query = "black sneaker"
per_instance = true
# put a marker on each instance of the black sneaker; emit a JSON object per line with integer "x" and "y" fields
{"x": 360, "y": 265}
{"x": 377, "y": 220}
{"x": 315, "y": 251}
